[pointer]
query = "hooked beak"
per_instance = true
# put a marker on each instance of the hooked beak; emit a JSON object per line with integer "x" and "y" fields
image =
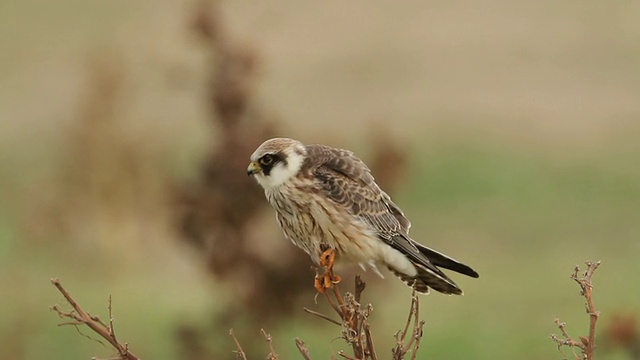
{"x": 253, "y": 168}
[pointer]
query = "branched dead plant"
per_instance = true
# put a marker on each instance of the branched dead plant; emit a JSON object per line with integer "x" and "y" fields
{"x": 355, "y": 327}
{"x": 402, "y": 345}
{"x": 78, "y": 316}
{"x": 585, "y": 344}
{"x": 352, "y": 318}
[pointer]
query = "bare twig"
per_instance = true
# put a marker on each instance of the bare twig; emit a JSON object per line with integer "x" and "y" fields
{"x": 356, "y": 330}
{"x": 272, "y": 354}
{"x": 369, "y": 340}
{"x": 416, "y": 332}
{"x": 112, "y": 331}
{"x": 240, "y": 355}
{"x": 81, "y": 317}
{"x": 303, "y": 350}
{"x": 417, "y": 335}
{"x": 345, "y": 356}
{"x": 353, "y": 319}
{"x": 412, "y": 311}
{"x": 566, "y": 341}
{"x": 335, "y": 305}
{"x": 320, "y": 315}
{"x": 586, "y": 344}
{"x": 586, "y": 290}
{"x": 402, "y": 348}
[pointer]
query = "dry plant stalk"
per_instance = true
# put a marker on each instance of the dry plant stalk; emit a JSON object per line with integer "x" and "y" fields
{"x": 272, "y": 354}
{"x": 586, "y": 344}
{"x": 240, "y": 355}
{"x": 353, "y": 320}
{"x": 356, "y": 330}
{"x": 401, "y": 348}
{"x": 303, "y": 349}
{"x": 79, "y": 316}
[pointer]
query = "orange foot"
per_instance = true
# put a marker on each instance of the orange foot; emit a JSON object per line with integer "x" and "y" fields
{"x": 328, "y": 279}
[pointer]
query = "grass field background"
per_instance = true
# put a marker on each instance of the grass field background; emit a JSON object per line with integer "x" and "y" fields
{"x": 521, "y": 121}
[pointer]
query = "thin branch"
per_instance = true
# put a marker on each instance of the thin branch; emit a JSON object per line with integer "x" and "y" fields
{"x": 341, "y": 353}
{"x": 369, "y": 340}
{"x": 586, "y": 344}
{"x": 302, "y": 349}
{"x": 412, "y": 309}
{"x": 272, "y": 355}
{"x": 335, "y": 307}
{"x": 356, "y": 330}
{"x": 587, "y": 288}
{"x": 81, "y": 317}
{"x": 417, "y": 329}
{"x": 112, "y": 331}
{"x": 341, "y": 302}
{"x": 240, "y": 355}
{"x": 323, "y": 316}
{"x": 413, "y": 322}
{"x": 418, "y": 336}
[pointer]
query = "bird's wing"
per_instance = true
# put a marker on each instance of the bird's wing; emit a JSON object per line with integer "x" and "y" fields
{"x": 346, "y": 180}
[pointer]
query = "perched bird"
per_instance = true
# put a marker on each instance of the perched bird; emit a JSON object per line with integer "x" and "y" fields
{"x": 327, "y": 200}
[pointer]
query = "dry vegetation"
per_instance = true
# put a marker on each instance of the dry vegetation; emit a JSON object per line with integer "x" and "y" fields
{"x": 78, "y": 317}
{"x": 356, "y": 331}
{"x": 586, "y": 344}
{"x": 353, "y": 321}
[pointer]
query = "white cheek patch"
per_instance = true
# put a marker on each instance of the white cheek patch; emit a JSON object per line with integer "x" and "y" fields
{"x": 278, "y": 175}
{"x": 281, "y": 172}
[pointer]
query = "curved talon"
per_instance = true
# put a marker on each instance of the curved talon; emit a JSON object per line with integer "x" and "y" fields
{"x": 326, "y": 281}
{"x": 327, "y": 258}
{"x": 319, "y": 285}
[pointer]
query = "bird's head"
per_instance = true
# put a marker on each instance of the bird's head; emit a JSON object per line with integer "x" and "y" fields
{"x": 276, "y": 161}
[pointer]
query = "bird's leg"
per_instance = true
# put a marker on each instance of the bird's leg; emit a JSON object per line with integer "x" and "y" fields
{"x": 328, "y": 279}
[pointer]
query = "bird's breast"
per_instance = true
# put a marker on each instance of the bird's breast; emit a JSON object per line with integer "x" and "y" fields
{"x": 311, "y": 220}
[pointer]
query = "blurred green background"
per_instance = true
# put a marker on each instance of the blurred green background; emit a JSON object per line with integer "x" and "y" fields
{"x": 520, "y": 121}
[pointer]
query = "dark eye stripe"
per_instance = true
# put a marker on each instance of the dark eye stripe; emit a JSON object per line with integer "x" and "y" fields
{"x": 267, "y": 160}
{"x": 277, "y": 158}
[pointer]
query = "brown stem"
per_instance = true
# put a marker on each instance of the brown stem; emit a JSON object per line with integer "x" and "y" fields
{"x": 586, "y": 344}
{"x": 302, "y": 349}
{"x": 240, "y": 354}
{"x": 323, "y": 316}
{"x": 93, "y": 322}
{"x": 369, "y": 340}
{"x": 272, "y": 355}
{"x": 593, "y": 313}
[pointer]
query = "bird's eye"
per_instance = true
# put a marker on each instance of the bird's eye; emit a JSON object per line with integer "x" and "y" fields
{"x": 266, "y": 160}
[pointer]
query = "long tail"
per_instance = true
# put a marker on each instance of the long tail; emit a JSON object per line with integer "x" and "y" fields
{"x": 427, "y": 278}
{"x": 430, "y": 276}
{"x": 442, "y": 260}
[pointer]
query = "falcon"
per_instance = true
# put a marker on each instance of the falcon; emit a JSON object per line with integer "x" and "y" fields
{"x": 328, "y": 204}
